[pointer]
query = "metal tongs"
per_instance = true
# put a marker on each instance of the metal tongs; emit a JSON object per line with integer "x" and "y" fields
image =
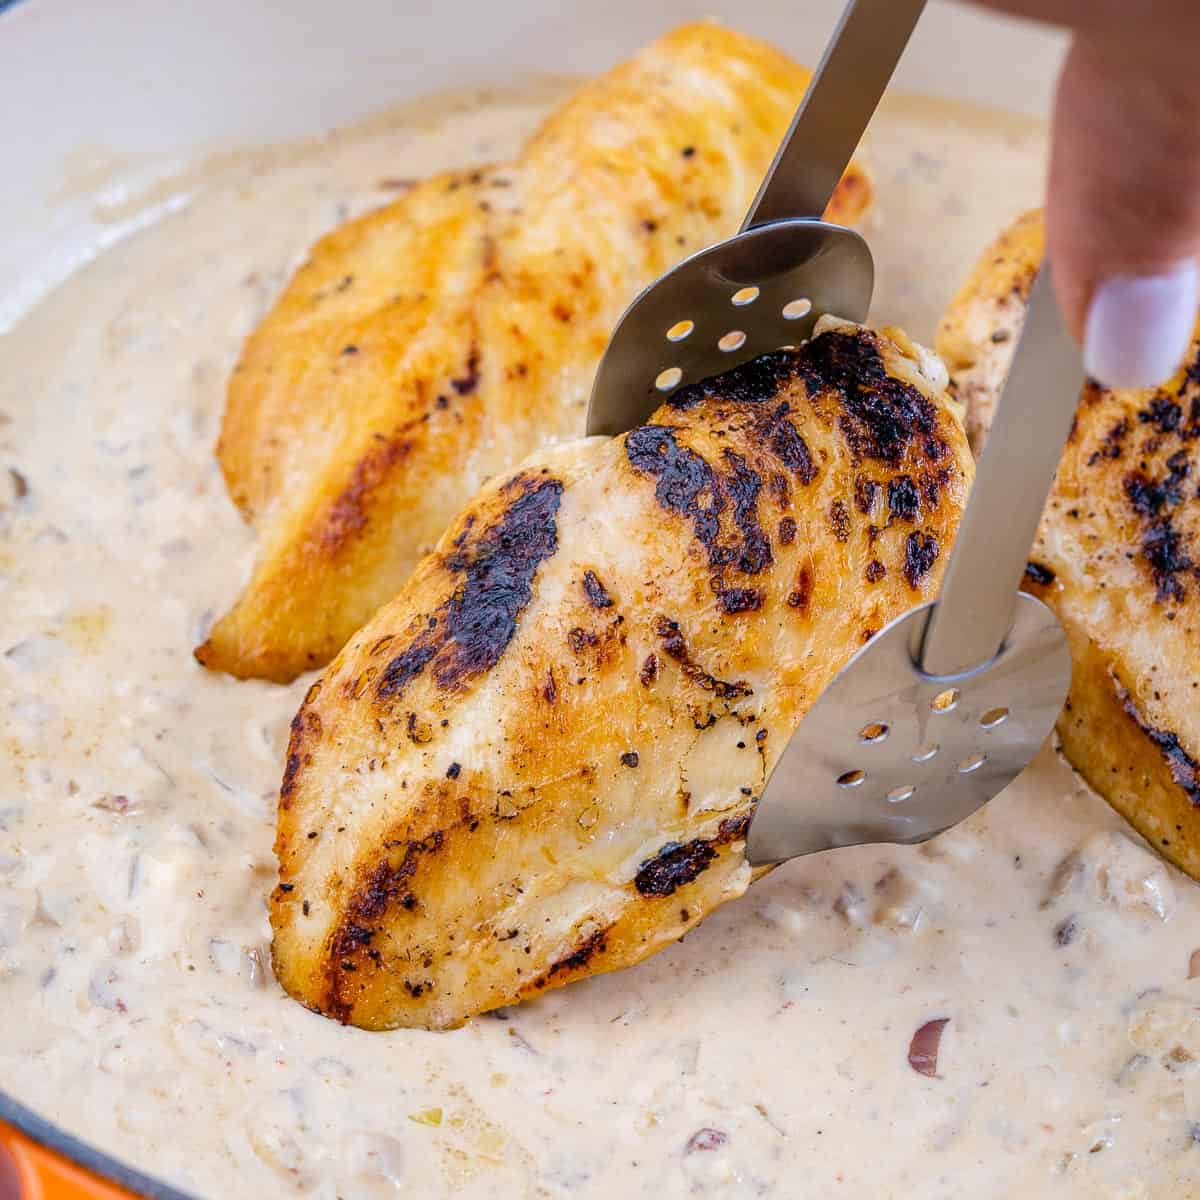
{"x": 945, "y": 706}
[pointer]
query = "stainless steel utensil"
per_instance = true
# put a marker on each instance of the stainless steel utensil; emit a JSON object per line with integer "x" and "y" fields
{"x": 943, "y": 708}
{"x": 769, "y": 284}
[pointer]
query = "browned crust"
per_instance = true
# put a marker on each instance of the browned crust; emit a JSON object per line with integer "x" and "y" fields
{"x": 1121, "y": 519}
{"x": 1140, "y": 772}
{"x": 452, "y": 343}
{"x": 424, "y": 895}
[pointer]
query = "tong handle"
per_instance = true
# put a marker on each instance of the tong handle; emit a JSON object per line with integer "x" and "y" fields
{"x": 974, "y": 611}
{"x": 843, "y": 95}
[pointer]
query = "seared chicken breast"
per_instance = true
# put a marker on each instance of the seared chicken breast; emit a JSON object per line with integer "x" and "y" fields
{"x": 436, "y": 342}
{"x": 539, "y": 760}
{"x": 1116, "y": 557}
{"x": 978, "y": 333}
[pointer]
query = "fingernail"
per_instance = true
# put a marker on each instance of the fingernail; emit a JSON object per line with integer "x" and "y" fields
{"x": 1140, "y": 326}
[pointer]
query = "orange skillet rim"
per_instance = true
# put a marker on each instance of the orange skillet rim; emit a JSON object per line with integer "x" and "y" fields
{"x": 81, "y": 1154}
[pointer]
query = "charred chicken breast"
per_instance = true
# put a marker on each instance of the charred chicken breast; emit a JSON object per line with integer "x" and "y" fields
{"x": 538, "y": 760}
{"x": 1116, "y": 557}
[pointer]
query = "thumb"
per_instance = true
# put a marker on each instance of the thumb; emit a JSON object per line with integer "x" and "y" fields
{"x": 1123, "y": 207}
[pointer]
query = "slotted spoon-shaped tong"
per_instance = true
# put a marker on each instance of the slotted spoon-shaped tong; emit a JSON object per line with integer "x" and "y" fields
{"x": 945, "y": 706}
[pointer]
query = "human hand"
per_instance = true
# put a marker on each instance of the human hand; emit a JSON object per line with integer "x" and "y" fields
{"x": 1123, "y": 201}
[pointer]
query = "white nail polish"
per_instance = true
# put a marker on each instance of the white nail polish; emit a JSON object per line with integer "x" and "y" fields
{"x": 1139, "y": 327}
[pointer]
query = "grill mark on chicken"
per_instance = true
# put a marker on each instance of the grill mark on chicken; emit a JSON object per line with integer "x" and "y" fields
{"x": 1185, "y": 770}
{"x": 305, "y": 727}
{"x": 743, "y": 486}
{"x": 410, "y": 664}
{"x": 1162, "y": 544}
{"x": 689, "y": 485}
{"x": 1191, "y": 430}
{"x": 740, "y": 600}
{"x": 580, "y": 639}
{"x": 920, "y": 553}
{"x": 751, "y": 383}
{"x": 882, "y": 416}
{"x": 733, "y": 829}
{"x": 675, "y": 865}
{"x": 932, "y": 483}
{"x": 348, "y": 514}
{"x": 1150, "y": 496}
{"x": 596, "y": 593}
{"x": 472, "y": 629}
{"x": 1039, "y": 574}
{"x": 1162, "y": 548}
{"x": 787, "y": 445}
{"x": 686, "y": 483}
{"x": 382, "y": 885}
{"x": 594, "y": 944}
{"x": 904, "y": 500}
{"x": 290, "y": 771}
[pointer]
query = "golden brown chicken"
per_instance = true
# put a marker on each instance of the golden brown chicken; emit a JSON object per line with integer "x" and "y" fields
{"x": 436, "y": 342}
{"x": 539, "y": 760}
{"x": 1116, "y": 557}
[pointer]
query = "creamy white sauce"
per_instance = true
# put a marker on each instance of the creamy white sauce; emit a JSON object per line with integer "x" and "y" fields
{"x": 765, "y": 1056}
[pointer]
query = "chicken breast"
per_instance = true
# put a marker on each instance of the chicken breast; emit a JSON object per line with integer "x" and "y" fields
{"x": 539, "y": 760}
{"x": 436, "y": 342}
{"x": 1116, "y": 557}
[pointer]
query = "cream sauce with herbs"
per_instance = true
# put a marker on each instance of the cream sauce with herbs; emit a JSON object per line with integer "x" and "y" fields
{"x": 768, "y": 1055}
